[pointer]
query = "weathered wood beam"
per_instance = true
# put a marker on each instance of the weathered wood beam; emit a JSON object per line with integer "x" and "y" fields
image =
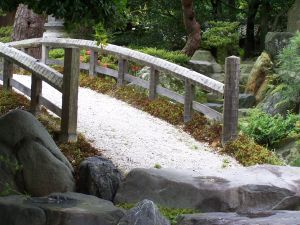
{"x": 188, "y": 100}
{"x": 231, "y": 99}
{"x": 153, "y": 82}
{"x": 36, "y": 91}
{"x": 7, "y": 73}
{"x": 70, "y": 95}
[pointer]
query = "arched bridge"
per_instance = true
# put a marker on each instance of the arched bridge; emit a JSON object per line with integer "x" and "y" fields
{"x": 67, "y": 83}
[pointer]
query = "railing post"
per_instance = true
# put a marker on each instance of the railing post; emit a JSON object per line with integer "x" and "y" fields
{"x": 188, "y": 100}
{"x": 36, "y": 91}
{"x": 70, "y": 95}
{"x": 93, "y": 62}
{"x": 45, "y": 54}
{"x": 153, "y": 82}
{"x": 231, "y": 99}
{"x": 123, "y": 68}
{"x": 7, "y": 74}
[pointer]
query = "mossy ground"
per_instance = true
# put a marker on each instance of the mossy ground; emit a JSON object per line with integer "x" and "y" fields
{"x": 75, "y": 152}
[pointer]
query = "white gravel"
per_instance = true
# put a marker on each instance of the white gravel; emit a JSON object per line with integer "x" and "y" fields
{"x": 132, "y": 138}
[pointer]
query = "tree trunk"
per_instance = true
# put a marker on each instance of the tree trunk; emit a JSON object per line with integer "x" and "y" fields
{"x": 28, "y": 25}
{"x": 217, "y": 9}
{"x": 264, "y": 23}
{"x": 250, "y": 36}
{"x": 232, "y": 10}
{"x": 192, "y": 27}
{"x": 8, "y": 19}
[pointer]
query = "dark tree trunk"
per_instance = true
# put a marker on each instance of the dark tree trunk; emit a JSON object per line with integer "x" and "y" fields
{"x": 250, "y": 36}
{"x": 28, "y": 25}
{"x": 192, "y": 27}
{"x": 232, "y": 8}
{"x": 217, "y": 9}
{"x": 264, "y": 23}
{"x": 8, "y": 19}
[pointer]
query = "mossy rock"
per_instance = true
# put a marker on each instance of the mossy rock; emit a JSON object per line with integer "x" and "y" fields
{"x": 289, "y": 150}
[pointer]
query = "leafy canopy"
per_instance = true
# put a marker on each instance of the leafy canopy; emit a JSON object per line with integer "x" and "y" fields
{"x": 77, "y": 11}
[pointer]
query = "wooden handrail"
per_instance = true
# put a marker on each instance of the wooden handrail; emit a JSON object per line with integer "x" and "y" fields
{"x": 190, "y": 78}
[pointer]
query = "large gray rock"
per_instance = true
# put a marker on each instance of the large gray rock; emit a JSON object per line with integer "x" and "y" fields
{"x": 261, "y": 218}
{"x": 99, "y": 177}
{"x": 276, "y": 41}
{"x": 36, "y": 164}
{"x": 257, "y": 187}
{"x": 144, "y": 213}
{"x": 63, "y": 209}
{"x": 246, "y": 100}
{"x": 294, "y": 17}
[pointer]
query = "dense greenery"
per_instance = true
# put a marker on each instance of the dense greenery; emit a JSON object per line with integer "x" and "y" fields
{"x": 5, "y": 34}
{"x": 269, "y": 130}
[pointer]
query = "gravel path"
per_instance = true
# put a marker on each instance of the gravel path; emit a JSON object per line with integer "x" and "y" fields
{"x": 132, "y": 138}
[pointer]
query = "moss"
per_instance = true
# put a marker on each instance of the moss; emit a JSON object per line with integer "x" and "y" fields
{"x": 248, "y": 153}
{"x": 170, "y": 213}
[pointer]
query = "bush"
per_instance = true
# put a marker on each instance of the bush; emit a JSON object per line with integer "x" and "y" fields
{"x": 171, "y": 56}
{"x": 249, "y": 153}
{"x": 289, "y": 71}
{"x": 222, "y": 37}
{"x": 56, "y": 53}
{"x": 5, "y": 34}
{"x": 269, "y": 130}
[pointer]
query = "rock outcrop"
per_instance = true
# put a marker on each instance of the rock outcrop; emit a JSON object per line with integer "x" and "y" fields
{"x": 63, "y": 209}
{"x": 257, "y": 188}
{"x": 30, "y": 161}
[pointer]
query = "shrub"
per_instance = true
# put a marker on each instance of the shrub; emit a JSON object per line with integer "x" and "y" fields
{"x": 171, "y": 56}
{"x": 5, "y": 34}
{"x": 56, "y": 53}
{"x": 289, "y": 71}
{"x": 222, "y": 37}
{"x": 249, "y": 153}
{"x": 269, "y": 130}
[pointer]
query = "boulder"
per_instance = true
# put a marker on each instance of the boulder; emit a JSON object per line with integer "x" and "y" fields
{"x": 99, "y": 177}
{"x": 261, "y": 218}
{"x": 294, "y": 17}
{"x": 258, "y": 187}
{"x": 203, "y": 55}
{"x": 63, "y": 209}
{"x": 276, "y": 41}
{"x": 259, "y": 72}
{"x": 144, "y": 213}
{"x": 289, "y": 150}
{"x": 36, "y": 164}
{"x": 246, "y": 100}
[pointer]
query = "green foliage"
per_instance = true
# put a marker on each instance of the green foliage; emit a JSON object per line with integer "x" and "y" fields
{"x": 170, "y": 213}
{"x": 171, "y": 56}
{"x": 58, "y": 53}
{"x": 222, "y": 36}
{"x": 246, "y": 151}
{"x": 100, "y": 34}
{"x": 269, "y": 130}
{"x": 5, "y": 34}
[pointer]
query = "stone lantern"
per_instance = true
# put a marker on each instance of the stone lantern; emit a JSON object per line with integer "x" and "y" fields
{"x": 54, "y": 28}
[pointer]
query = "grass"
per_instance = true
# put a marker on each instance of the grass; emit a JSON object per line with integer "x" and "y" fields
{"x": 75, "y": 152}
{"x": 170, "y": 213}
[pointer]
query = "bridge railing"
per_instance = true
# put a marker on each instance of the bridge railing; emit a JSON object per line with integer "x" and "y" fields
{"x": 189, "y": 77}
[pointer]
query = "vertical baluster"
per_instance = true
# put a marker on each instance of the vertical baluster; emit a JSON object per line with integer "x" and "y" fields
{"x": 36, "y": 91}
{"x": 123, "y": 69}
{"x": 153, "y": 82}
{"x": 45, "y": 54}
{"x": 231, "y": 99}
{"x": 188, "y": 100}
{"x": 93, "y": 62}
{"x": 7, "y": 74}
{"x": 70, "y": 95}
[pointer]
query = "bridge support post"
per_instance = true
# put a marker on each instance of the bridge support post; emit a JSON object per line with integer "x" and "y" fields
{"x": 231, "y": 99}
{"x": 45, "y": 54}
{"x": 70, "y": 95}
{"x": 123, "y": 68}
{"x": 188, "y": 100}
{"x": 93, "y": 62}
{"x": 153, "y": 82}
{"x": 36, "y": 91}
{"x": 7, "y": 74}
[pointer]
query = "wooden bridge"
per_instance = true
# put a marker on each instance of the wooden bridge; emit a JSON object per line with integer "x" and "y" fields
{"x": 67, "y": 83}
